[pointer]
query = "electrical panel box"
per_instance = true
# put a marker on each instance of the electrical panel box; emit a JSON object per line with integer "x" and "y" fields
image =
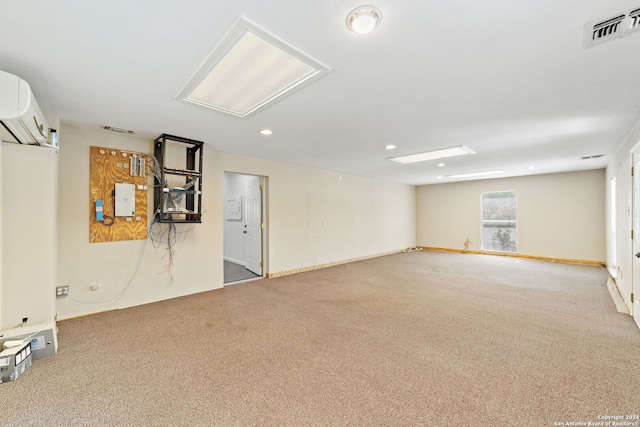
{"x": 125, "y": 200}
{"x": 14, "y": 361}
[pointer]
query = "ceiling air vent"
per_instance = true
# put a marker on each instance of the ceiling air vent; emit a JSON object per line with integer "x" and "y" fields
{"x": 593, "y": 156}
{"x": 604, "y": 30}
{"x": 635, "y": 20}
{"x": 118, "y": 130}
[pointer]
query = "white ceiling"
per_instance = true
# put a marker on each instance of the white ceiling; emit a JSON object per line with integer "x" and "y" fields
{"x": 509, "y": 79}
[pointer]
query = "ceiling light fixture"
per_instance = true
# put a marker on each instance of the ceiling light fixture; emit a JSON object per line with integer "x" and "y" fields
{"x": 390, "y": 147}
{"x": 474, "y": 174}
{"x": 441, "y": 165}
{"x": 460, "y": 150}
{"x": 266, "y": 132}
{"x": 248, "y": 70}
{"x": 363, "y": 19}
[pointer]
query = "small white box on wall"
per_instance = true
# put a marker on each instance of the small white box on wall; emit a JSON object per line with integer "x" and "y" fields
{"x": 233, "y": 208}
{"x": 125, "y": 200}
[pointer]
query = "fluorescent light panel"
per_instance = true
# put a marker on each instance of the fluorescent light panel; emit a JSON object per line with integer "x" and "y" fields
{"x": 248, "y": 70}
{"x": 473, "y": 174}
{"x": 460, "y": 150}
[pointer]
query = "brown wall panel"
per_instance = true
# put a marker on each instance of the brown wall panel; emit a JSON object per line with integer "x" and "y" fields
{"x": 106, "y": 168}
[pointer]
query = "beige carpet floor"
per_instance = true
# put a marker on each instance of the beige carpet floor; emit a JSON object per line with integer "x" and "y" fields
{"x": 416, "y": 339}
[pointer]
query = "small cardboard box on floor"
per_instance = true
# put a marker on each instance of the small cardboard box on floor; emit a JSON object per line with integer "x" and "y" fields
{"x": 14, "y": 361}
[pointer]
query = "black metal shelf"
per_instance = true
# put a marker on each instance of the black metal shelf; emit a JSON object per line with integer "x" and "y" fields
{"x": 183, "y": 172}
{"x": 180, "y": 190}
{"x": 192, "y": 171}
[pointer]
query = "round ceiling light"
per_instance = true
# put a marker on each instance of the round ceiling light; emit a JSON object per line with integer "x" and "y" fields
{"x": 363, "y": 19}
{"x": 266, "y": 132}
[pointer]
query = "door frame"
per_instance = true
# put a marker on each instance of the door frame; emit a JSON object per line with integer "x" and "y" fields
{"x": 634, "y": 306}
{"x": 254, "y": 224}
{"x": 264, "y": 213}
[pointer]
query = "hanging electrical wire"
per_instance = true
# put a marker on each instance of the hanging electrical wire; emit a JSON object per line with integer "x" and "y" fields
{"x": 108, "y": 220}
{"x": 152, "y": 165}
{"x": 126, "y": 286}
{"x": 161, "y": 235}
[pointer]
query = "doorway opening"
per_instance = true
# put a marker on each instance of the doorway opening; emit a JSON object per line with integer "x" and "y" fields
{"x": 244, "y": 227}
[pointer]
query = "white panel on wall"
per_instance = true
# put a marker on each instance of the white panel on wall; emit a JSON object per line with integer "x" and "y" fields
{"x": 29, "y": 234}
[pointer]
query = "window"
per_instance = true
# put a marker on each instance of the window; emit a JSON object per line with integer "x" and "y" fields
{"x": 499, "y": 221}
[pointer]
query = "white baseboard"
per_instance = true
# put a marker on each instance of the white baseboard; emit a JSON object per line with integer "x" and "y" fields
{"x": 617, "y": 298}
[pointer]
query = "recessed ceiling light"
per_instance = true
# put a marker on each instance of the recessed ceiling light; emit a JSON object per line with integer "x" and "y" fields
{"x": 439, "y": 177}
{"x": 266, "y": 132}
{"x": 441, "y": 164}
{"x": 472, "y": 174}
{"x": 248, "y": 70}
{"x": 390, "y": 147}
{"x": 531, "y": 167}
{"x": 434, "y": 155}
{"x": 363, "y": 19}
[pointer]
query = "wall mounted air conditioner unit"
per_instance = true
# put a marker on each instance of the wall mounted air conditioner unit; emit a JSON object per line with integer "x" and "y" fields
{"x": 21, "y": 119}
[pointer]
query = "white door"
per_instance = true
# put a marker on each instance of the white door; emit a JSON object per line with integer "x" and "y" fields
{"x": 635, "y": 285}
{"x": 253, "y": 225}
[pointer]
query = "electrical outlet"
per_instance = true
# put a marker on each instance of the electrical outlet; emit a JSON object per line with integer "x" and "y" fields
{"x": 62, "y": 291}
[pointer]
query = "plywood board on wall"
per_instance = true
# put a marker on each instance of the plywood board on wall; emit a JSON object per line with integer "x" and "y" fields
{"x": 108, "y": 167}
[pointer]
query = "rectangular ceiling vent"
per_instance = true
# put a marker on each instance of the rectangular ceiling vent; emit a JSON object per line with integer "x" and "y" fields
{"x": 602, "y": 31}
{"x": 118, "y": 130}
{"x": 635, "y": 19}
{"x": 593, "y": 156}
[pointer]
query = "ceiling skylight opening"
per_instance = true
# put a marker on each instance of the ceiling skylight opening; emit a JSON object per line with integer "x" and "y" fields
{"x": 475, "y": 174}
{"x": 248, "y": 70}
{"x": 460, "y": 150}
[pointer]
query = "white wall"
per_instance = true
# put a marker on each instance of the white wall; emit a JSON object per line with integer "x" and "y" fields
{"x": 130, "y": 272}
{"x": 620, "y": 167}
{"x": 234, "y": 238}
{"x": 29, "y": 239}
{"x": 317, "y": 217}
{"x": 559, "y": 215}
{"x": 1, "y": 239}
{"x": 313, "y": 218}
